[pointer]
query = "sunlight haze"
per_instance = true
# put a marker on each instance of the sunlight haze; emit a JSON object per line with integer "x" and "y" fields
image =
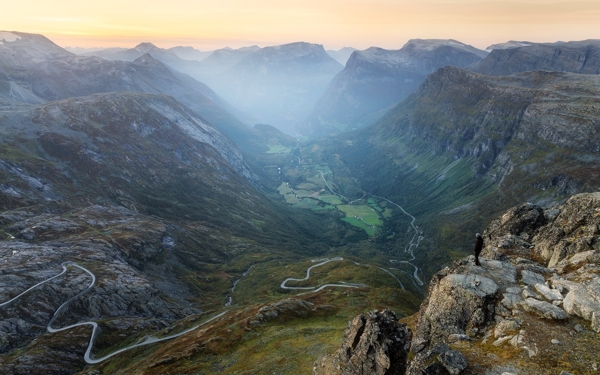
{"x": 333, "y": 23}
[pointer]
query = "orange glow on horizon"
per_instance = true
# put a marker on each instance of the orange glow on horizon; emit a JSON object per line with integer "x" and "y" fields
{"x": 333, "y": 23}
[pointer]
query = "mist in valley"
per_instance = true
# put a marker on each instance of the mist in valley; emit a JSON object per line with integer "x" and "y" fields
{"x": 231, "y": 209}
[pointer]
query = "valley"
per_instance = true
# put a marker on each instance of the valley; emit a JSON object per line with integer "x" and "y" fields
{"x": 192, "y": 242}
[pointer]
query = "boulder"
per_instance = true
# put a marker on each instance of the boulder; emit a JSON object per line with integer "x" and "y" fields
{"x": 549, "y": 294}
{"x": 440, "y": 360}
{"x": 585, "y": 302}
{"x": 531, "y": 278}
{"x": 453, "y": 361}
{"x": 544, "y": 309}
{"x": 505, "y": 326}
{"x": 510, "y": 300}
{"x": 528, "y": 293}
{"x": 503, "y": 273}
{"x": 373, "y": 344}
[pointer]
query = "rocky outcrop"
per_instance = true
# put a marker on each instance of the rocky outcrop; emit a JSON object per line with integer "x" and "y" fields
{"x": 559, "y": 291}
{"x": 373, "y": 344}
{"x": 554, "y": 234}
{"x": 458, "y": 303}
{"x": 288, "y": 307}
{"x": 523, "y": 300}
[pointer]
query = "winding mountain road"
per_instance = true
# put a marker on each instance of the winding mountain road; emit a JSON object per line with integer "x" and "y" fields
{"x": 87, "y": 356}
{"x": 150, "y": 339}
{"x": 35, "y": 286}
{"x": 314, "y": 289}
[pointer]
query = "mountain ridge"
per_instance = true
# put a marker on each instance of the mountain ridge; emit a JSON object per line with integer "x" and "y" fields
{"x": 376, "y": 79}
{"x": 581, "y": 57}
{"x": 466, "y": 146}
{"x": 278, "y": 84}
{"x": 58, "y": 74}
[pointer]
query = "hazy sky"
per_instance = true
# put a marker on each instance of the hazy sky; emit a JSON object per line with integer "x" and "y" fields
{"x": 333, "y": 23}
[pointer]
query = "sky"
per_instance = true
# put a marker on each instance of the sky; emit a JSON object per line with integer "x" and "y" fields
{"x": 208, "y": 25}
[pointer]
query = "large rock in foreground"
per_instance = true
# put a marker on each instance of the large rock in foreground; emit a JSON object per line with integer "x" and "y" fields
{"x": 538, "y": 297}
{"x": 373, "y": 344}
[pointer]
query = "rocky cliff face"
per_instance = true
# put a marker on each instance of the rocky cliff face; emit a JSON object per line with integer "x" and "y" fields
{"x": 531, "y": 307}
{"x": 576, "y": 57}
{"x": 375, "y": 79}
{"x": 465, "y": 146}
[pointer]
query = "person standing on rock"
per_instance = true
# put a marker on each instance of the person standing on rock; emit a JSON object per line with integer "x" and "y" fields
{"x": 478, "y": 247}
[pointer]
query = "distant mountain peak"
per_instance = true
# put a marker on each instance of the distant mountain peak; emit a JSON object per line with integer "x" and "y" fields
{"x": 146, "y": 46}
{"x": 582, "y": 57}
{"x": 509, "y": 44}
{"x": 146, "y": 59}
{"x": 298, "y": 47}
{"x": 301, "y": 52}
{"x": 23, "y": 48}
{"x": 249, "y": 48}
{"x": 427, "y": 45}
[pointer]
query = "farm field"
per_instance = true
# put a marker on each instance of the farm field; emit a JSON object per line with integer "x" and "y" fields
{"x": 314, "y": 193}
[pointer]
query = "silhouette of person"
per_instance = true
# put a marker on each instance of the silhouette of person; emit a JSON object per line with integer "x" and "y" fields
{"x": 478, "y": 247}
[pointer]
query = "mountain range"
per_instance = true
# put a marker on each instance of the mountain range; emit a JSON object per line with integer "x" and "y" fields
{"x": 145, "y": 229}
{"x": 36, "y": 70}
{"x": 375, "y": 79}
{"x": 278, "y": 85}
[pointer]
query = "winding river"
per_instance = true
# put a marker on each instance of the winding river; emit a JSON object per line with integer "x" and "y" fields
{"x": 414, "y": 241}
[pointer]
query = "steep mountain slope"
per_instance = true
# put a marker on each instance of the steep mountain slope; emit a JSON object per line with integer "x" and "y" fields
{"x": 36, "y": 70}
{"x": 375, "y": 79}
{"x": 278, "y": 85}
{"x": 92, "y": 136}
{"x": 140, "y": 191}
{"x": 581, "y": 57}
{"x": 466, "y": 145}
{"x": 525, "y": 310}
